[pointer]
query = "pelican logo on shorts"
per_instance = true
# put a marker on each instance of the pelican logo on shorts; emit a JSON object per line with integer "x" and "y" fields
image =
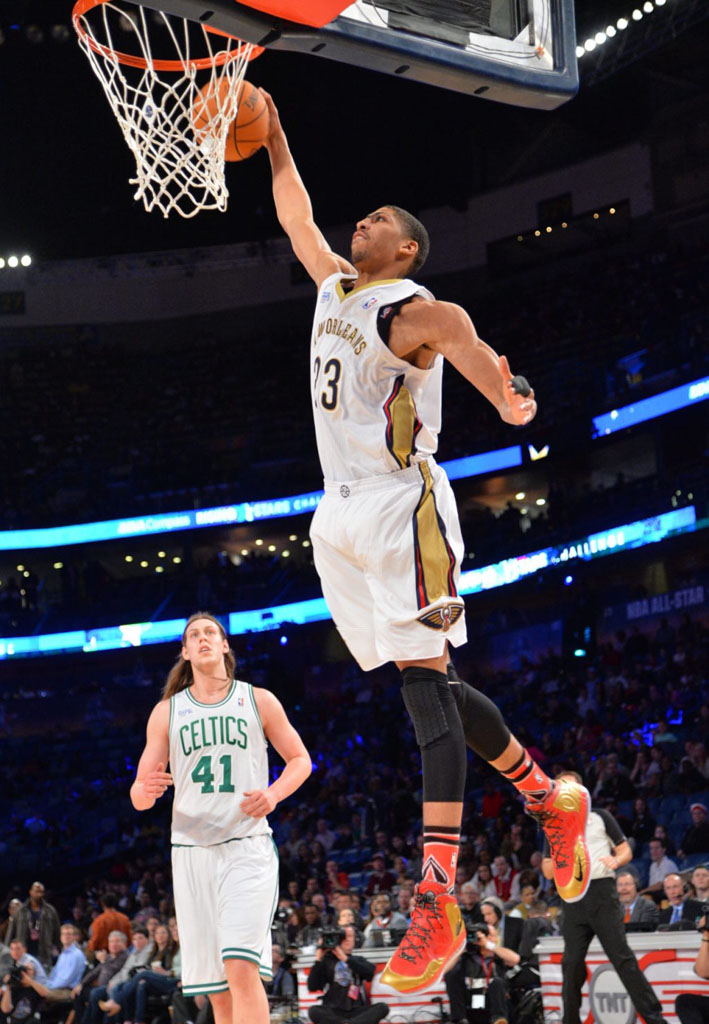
{"x": 608, "y": 999}
{"x": 345, "y": 491}
{"x": 442, "y": 618}
{"x": 370, "y": 302}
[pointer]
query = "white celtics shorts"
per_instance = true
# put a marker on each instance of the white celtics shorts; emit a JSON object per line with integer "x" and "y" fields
{"x": 388, "y": 551}
{"x": 225, "y": 899}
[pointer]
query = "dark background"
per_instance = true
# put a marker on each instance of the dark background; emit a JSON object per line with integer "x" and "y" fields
{"x": 360, "y": 138}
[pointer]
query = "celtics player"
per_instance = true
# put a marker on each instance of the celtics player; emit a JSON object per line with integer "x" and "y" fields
{"x": 213, "y": 730}
{"x": 386, "y": 539}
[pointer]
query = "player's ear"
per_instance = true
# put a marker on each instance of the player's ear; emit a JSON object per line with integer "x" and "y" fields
{"x": 409, "y": 248}
{"x": 185, "y": 655}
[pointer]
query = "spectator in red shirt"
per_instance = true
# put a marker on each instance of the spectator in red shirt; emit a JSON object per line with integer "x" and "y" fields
{"x": 110, "y": 920}
{"x": 380, "y": 879}
{"x": 492, "y": 800}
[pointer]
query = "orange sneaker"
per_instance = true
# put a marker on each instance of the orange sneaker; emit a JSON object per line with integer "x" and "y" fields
{"x": 433, "y": 942}
{"x": 563, "y": 815}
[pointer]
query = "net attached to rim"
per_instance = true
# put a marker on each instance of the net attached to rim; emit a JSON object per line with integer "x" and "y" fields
{"x": 174, "y": 111}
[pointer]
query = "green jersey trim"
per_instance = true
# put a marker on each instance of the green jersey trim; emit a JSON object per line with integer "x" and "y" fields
{"x": 250, "y": 688}
{"x": 172, "y": 715}
{"x": 202, "y": 704}
{"x": 234, "y": 839}
{"x": 205, "y": 989}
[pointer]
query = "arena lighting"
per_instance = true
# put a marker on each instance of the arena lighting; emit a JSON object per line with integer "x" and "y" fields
{"x": 510, "y": 570}
{"x": 12, "y": 261}
{"x": 649, "y": 408}
{"x": 225, "y": 515}
{"x": 601, "y": 37}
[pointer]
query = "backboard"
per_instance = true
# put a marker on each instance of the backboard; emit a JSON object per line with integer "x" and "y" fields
{"x": 521, "y": 52}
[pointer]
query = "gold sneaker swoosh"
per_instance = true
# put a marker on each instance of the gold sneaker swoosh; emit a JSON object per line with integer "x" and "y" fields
{"x": 576, "y": 887}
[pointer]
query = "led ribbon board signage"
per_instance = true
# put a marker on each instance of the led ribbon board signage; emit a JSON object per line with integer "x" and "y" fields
{"x": 510, "y": 570}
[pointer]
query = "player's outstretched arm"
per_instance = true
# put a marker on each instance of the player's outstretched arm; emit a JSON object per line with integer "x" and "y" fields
{"x": 424, "y": 327}
{"x": 298, "y": 766}
{"x": 293, "y": 206}
{"x": 151, "y": 778}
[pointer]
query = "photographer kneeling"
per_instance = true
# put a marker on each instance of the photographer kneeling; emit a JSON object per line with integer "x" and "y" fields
{"x": 341, "y": 976}
{"x": 490, "y": 951}
{"x": 690, "y": 1007}
{"x": 19, "y": 998}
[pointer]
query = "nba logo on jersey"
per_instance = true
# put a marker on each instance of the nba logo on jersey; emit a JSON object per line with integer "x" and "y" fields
{"x": 240, "y": 701}
{"x": 370, "y": 302}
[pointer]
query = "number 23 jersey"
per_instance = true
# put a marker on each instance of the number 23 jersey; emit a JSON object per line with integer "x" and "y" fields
{"x": 374, "y": 413}
{"x": 217, "y": 752}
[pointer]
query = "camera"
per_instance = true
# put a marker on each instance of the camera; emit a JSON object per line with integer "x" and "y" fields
{"x": 281, "y": 915}
{"x": 17, "y": 974}
{"x": 331, "y": 937}
{"x": 703, "y": 915}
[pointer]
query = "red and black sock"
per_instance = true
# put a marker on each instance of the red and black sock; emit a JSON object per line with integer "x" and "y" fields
{"x": 440, "y": 854}
{"x": 528, "y": 778}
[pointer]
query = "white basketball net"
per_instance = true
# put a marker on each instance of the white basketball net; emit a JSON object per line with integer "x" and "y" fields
{"x": 177, "y": 167}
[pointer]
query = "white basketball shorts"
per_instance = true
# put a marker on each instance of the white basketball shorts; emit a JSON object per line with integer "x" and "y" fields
{"x": 225, "y": 899}
{"x": 388, "y": 551}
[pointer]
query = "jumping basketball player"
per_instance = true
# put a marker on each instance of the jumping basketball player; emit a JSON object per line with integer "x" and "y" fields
{"x": 213, "y": 730}
{"x": 386, "y": 538}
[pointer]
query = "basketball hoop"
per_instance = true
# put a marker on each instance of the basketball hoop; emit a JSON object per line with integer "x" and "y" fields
{"x": 153, "y": 98}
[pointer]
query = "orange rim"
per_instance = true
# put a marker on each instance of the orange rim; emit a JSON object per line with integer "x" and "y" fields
{"x": 82, "y": 7}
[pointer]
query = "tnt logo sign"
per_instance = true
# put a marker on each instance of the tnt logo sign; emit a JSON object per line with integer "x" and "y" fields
{"x": 610, "y": 1003}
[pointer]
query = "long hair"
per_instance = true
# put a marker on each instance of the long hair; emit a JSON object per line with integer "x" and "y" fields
{"x": 180, "y": 676}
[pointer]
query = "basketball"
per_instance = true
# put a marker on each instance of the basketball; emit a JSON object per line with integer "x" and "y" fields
{"x": 248, "y": 131}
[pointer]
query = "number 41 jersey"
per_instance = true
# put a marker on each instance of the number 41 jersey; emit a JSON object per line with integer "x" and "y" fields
{"x": 217, "y": 752}
{"x": 374, "y": 413}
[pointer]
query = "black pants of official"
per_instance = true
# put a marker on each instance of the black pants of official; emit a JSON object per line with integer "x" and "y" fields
{"x": 366, "y": 1015}
{"x": 692, "y": 1008}
{"x": 599, "y": 913}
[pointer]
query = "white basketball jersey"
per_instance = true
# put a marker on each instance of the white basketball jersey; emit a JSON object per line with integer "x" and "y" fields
{"x": 217, "y": 752}
{"x": 374, "y": 413}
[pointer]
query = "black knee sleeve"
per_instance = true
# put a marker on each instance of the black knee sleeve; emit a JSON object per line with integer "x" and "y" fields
{"x": 439, "y": 733}
{"x": 483, "y": 725}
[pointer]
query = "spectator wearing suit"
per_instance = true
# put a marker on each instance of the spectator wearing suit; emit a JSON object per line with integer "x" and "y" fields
{"x": 639, "y": 914}
{"x": 110, "y": 920}
{"x": 682, "y": 913}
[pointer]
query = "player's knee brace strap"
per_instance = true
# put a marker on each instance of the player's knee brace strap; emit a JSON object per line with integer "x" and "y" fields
{"x": 439, "y": 733}
{"x": 483, "y": 725}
